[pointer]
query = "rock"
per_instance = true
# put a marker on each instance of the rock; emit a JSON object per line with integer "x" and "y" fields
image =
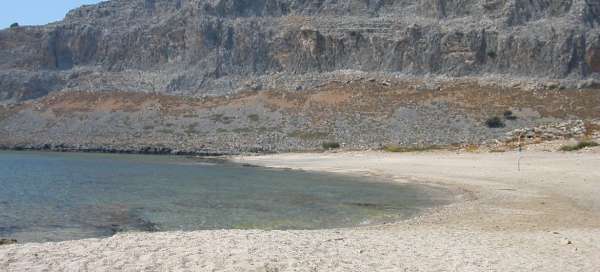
{"x": 552, "y": 131}
{"x": 566, "y": 242}
{"x": 7, "y": 242}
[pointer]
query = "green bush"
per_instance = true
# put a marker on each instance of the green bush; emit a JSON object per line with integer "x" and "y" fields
{"x": 578, "y": 146}
{"x": 330, "y": 145}
{"x": 13, "y": 25}
{"x": 494, "y": 122}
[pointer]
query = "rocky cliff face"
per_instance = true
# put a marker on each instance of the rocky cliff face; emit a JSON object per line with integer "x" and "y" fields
{"x": 218, "y": 46}
{"x": 223, "y": 48}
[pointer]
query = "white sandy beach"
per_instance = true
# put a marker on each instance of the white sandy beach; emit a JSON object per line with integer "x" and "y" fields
{"x": 545, "y": 217}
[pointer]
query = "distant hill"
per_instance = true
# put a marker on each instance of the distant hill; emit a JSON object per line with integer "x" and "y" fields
{"x": 223, "y": 50}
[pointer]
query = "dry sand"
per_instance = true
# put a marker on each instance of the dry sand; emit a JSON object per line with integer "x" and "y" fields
{"x": 545, "y": 217}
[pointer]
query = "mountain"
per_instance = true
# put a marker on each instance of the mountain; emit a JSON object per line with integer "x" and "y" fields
{"x": 290, "y": 74}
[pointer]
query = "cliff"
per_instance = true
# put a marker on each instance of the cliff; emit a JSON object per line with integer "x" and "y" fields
{"x": 214, "y": 47}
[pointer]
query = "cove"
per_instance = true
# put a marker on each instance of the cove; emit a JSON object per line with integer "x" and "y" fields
{"x": 65, "y": 196}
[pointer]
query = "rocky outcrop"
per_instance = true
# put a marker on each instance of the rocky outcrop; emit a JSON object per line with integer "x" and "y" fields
{"x": 577, "y": 129}
{"x": 200, "y": 47}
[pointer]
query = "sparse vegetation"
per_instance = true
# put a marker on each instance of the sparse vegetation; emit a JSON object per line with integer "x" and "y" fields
{"x": 330, "y": 145}
{"x": 472, "y": 148}
{"x": 242, "y": 130}
{"x": 579, "y": 146}
{"x": 495, "y": 122}
{"x": 220, "y": 118}
{"x": 419, "y": 148}
{"x": 590, "y": 128}
{"x": 307, "y": 135}
{"x": 191, "y": 129}
{"x": 253, "y": 117}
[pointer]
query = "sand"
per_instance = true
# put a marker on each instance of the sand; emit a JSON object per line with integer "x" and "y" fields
{"x": 545, "y": 217}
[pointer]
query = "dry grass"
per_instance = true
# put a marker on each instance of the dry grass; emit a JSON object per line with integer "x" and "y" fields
{"x": 579, "y": 146}
{"x": 419, "y": 148}
{"x": 472, "y": 148}
{"x": 591, "y": 128}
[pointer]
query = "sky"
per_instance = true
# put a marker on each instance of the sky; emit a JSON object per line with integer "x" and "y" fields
{"x": 36, "y": 12}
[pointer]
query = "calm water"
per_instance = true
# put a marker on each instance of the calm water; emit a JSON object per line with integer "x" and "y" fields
{"x": 53, "y": 197}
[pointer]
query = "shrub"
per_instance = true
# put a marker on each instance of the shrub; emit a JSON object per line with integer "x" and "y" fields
{"x": 330, "y": 145}
{"x": 494, "y": 122}
{"x": 13, "y": 25}
{"x": 508, "y": 115}
{"x": 578, "y": 146}
{"x": 492, "y": 54}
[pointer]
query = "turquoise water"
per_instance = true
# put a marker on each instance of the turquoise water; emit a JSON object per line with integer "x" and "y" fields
{"x": 60, "y": 196}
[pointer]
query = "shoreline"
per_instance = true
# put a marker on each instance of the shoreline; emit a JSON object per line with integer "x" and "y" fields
{"x": 145, "y": 150}
{"x": 545, "y": 217}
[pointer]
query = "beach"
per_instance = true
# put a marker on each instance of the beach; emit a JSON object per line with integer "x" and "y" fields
{"x": 543, "y": 217}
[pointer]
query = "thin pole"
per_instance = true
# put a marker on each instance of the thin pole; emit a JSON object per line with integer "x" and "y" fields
{"x": 519, "y": 152}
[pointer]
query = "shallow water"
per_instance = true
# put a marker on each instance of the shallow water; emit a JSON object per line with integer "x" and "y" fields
{"x": 59, "y": 196}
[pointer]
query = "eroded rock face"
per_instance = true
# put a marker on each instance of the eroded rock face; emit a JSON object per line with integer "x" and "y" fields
{"x": 216, "y": 46}
{"x": 593, "y": 59}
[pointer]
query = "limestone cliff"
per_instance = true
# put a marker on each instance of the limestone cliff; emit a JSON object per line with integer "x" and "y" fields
{"x": 217, "y": 46}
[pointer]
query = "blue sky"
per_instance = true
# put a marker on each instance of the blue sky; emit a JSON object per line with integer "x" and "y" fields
{"x": 36, "y": 12}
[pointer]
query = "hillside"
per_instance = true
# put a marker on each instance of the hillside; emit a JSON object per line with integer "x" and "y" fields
{"x": 239, "y": 75}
